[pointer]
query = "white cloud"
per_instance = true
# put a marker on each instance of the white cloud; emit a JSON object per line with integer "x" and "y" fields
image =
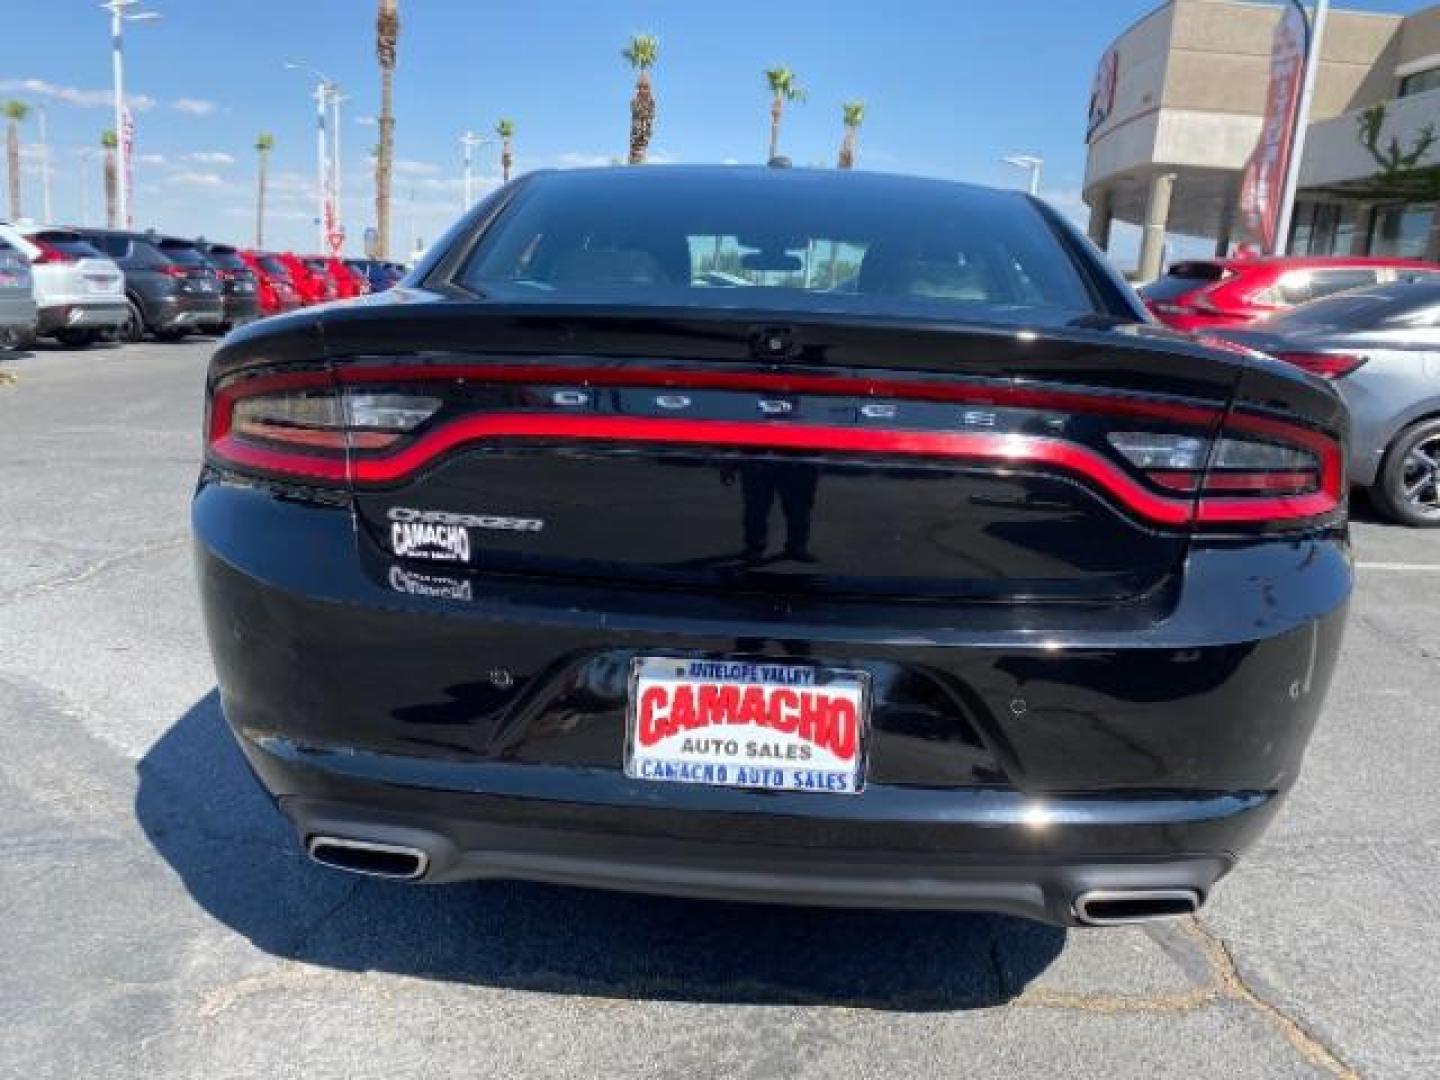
{"x": 290, "y": 182}
{"x": 195, "y": 179}
{"x": 415, "y": 168}
{"x": 210, "y": 157}
{"x": 366, "y": 121}
{"x": 151, "y": 159}
{"x": 74, "y": 95}
{"x": 194, "y": 106}
{"x": 271, "y": 213}
{"x": 574, "y": 160}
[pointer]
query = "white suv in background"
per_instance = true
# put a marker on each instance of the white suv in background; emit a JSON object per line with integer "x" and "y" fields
{"x": 79, "y": 293}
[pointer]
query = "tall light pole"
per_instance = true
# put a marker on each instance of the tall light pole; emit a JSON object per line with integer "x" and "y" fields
{"x": 324, "y": 87}
{"x": 336, "y": 100}
{"x": 44, "y": 167}
{"x": 86, "y": 156}
{"x": 120, "y": 14}
{"x": 1031, "y": 162}
{"x": 468, "y": 142}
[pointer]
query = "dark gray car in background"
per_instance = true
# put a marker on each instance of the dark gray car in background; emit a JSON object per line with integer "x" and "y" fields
{"x": 171, "y": 288}
{"x": 1381, "y": 347}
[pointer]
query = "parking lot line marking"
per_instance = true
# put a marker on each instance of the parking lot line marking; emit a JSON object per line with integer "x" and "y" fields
{"x": 1431, "y": 567}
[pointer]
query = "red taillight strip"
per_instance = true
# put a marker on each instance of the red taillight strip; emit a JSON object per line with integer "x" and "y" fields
{"x": 1019, "y": 450}
{"x": 1000, "y": 394}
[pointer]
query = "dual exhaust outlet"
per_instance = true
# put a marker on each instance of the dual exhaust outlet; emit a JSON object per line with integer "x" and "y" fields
{"x": 1095, "y": 907}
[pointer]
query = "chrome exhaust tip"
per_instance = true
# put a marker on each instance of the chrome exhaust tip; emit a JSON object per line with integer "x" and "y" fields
{"x": 1119, "y": 907}
{"x": 395, "y": 862}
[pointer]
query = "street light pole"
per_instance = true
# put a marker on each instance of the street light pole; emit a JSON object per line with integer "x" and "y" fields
{"x": 44, "y": 167}
{"x": 119, "y": 16}
{"x": 86, "y": 156}
{"x": 469, "y": 141}
{"x": 466, "y": 142}
{"x": 325, "y": 87}
{"x": 1031, "y": 162}
{"x": 321, "y": 93}
{"x": 336, "y": 99}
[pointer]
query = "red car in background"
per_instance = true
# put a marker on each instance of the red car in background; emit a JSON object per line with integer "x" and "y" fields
{"x": 348, "y": 284}
{"x": 1205, "y": 294}
{"x": 275, "y": 289}
{"x": 314, "y": 287}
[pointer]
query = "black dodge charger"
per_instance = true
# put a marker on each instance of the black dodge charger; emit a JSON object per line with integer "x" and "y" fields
{"x": 772, "y": 534}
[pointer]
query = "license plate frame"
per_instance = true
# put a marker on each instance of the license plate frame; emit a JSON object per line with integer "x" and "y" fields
{"x": 814, "y": 741}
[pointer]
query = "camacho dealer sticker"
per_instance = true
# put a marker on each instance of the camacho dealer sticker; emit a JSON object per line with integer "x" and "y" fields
{"x": 747, "y": 724}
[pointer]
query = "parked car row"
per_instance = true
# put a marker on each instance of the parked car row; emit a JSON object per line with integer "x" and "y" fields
{"x": 81, "y": 285}
{"x": 1370, "y": 325}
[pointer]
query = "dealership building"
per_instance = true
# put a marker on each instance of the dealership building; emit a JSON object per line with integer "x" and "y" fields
{"x": 1177, "y": 109}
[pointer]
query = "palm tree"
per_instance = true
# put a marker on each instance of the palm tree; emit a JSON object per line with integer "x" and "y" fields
{"x": 264, "y": 143}
{"x": 784, "y": 87}
{"x": 109, "y": 141}
{"x": 641, "y": 54}
{"x": 15, "y": 113}
{"x": 853, "y": 113}
{"x": 387, "y": 34}
{"x": 506, "y": 130}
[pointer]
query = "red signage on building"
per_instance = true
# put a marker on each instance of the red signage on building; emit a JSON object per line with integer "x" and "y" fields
{"x": 1102, "y": 92}
{"x": 1262, "y": 184}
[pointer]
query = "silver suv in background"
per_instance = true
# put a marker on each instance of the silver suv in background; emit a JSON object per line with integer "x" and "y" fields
{"x": 79, "y": 293}
{"x": 17, "y": 298}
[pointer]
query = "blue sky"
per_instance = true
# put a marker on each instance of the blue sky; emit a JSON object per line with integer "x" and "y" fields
{"x": 950, "y": 87}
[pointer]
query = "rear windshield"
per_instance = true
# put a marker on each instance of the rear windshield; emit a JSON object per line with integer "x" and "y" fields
{"x": 1183, "y": 278}
{"x": 273, "y": 266}
{"x": 1363, "y": 309}
{"x": 184, "y": 254}
{"x": 68, "y": 243}
{"x": 226, "y": 260}
{"x": 793, "y": 242}
{"x": 318, "y": 265}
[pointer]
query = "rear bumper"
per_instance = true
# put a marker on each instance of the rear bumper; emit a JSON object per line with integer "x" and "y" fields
{"x": 94, "y": 315}
{"x": 17, "y": 313}
{"x": 237, "y": 311}
{"x": 185, "y": 313}
{"x": 1018, "y": 757}
{"x": 940, "y": 850}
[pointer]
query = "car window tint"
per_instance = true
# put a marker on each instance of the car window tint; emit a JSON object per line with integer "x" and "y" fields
{"x": 226, "y": 260}
{"x": 184, "y": 254}
{"x": 68, "y": 243}
{"x": 1183, "y": 278}
{"x": 273, "y": 266}
{"x": 763, "y": 243}
{"x": 1338, "y": 279}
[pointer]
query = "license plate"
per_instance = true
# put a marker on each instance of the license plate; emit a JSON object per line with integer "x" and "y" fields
{"x": 751, "y": 724}
{"x": 100, "y": 284}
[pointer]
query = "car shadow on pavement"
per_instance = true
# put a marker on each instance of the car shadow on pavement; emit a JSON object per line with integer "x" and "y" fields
{"x": 209, "y": 819}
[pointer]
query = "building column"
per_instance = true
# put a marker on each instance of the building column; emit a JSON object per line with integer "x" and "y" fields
{"x": 1101, "y": 215}
{"x": 1432, "y": 244}
{"x": 1364, "y": 222}
{"x": 1157, "y": 218}
{"x": 1227, "y": 222}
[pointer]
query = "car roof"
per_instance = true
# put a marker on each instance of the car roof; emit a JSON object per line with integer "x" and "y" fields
{"x": 1303, "y": 262}
{"x": 878, "y": 184}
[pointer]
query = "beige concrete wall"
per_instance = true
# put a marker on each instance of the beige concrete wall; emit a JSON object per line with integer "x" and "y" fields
{"x": 1420, "y": 36}
{"x": 1220, "y": 58}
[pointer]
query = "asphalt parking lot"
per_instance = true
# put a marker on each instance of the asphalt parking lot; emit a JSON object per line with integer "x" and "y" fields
{"x": 156, "y": 919}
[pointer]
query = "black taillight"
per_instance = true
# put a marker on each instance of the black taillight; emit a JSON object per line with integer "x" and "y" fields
{"x": 1327, "y": 365}
{"x": 302, "y": 425}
